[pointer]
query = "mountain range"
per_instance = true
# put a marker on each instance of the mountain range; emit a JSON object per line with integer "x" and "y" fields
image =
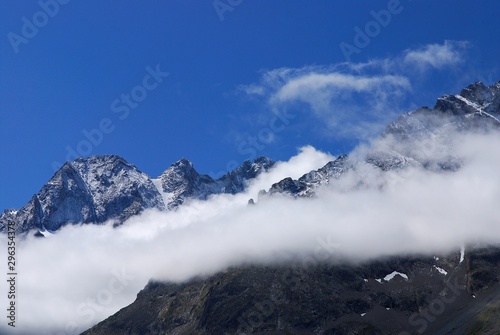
{"x": 101, "y": 188}
{"x": 456, "y": 293}
{"x": 96, "y": 189}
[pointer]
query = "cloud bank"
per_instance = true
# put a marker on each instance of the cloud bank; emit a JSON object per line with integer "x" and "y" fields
{"x": 81, "y": 275}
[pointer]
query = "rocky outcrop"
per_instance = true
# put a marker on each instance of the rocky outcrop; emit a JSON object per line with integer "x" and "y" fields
{"x": 181, "y": 181}
{"x": 87, "y": 190}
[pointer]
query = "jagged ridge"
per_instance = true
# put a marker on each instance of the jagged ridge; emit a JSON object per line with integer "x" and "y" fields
{"x": 181, "y": 181}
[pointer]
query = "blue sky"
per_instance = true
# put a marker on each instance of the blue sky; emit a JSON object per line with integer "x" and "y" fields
{"x": 220, "y": 82}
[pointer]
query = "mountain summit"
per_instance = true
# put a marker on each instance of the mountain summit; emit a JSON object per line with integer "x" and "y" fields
{"x": 181, "y": 181}
{"x": 87, "y": 190}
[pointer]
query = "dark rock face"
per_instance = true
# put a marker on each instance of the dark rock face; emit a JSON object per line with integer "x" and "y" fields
{"x": 306, "y": 185}
{"x": 477, "y": 105}
{"x": 182, "y": 182}
{"x": 323, "y": 298}
{"x": 235, "y": 181}
{"x": 476, "y": 100}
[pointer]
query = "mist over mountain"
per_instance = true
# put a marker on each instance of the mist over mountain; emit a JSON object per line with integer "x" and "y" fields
{"x": 361, "y": 243}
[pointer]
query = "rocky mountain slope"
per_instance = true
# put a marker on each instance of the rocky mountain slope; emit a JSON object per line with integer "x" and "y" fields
{"x": 306, "y": 185}
{"x": 96, "y": 189}
{"x": 400, "y": 295}
{"x": 91, "y": 190}
{"x": 181, "y": 181}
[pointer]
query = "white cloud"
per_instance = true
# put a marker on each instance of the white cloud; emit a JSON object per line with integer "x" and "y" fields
{"x": 437, "y": 56}
{"x": 315, "y": 88}
{"x": 349, "y": 104}
{"x": 252, "y": 89}
{"x": 85, "y": 273}
{"x": 354, "y": 100}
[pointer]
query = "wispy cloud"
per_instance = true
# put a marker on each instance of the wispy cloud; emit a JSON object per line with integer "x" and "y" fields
{"x": 313, "y": 87}
{"x": 436, "y": 56}
{"x": 348, "y": 104}
{"x": 353, "y": 100}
